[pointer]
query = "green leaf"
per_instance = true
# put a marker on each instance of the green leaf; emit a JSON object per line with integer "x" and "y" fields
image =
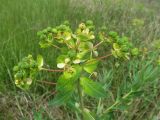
{"x": 116, "y": 46}
{"x": 61, "y": 58}
{"x": 39, "y": 61}
{"x": 83, "y": 54}
{"x": 72, "y": 53}
{"x": 65, "y": 82}
{"x": 90, "y": 65}
{"x": 61, "y": 98}
{"x": 76, "y": 72}
{"x": 83, "y": 37}
{"x": 135, "y": 51}
{"x": 44, "y": 44}
{"x": 66, "y": 86}
{"x": 87, "y": 115}
{"x": 92, "y": 88}
{"x": 89, "y": 22}
{"x": 113, "y": 34}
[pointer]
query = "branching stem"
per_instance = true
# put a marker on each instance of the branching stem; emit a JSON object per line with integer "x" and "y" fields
{"x": 117, "y": 102}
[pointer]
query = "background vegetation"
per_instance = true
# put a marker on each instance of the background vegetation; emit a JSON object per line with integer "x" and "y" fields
{"x": 21, "y": 19}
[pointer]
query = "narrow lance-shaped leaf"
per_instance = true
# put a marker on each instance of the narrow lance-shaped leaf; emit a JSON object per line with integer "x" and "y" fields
{"x": 87, "y": 115}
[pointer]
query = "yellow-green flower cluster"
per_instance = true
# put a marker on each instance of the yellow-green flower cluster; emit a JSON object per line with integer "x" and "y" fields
{"x": 25, "y": 72}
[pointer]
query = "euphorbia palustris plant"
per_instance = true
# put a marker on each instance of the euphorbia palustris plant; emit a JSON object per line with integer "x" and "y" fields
{"x": 77, "y": 61}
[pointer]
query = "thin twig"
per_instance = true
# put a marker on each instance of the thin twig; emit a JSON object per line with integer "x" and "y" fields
{"x": 51, "y": 93}
{"x": 51, "y": 70}
{"x": 47, "y": 82}
{"x": 102, "y": 57}
{"x": 56, "y": 46}
{"x": 98, "y": 44}
{"x": 99, "y": 58}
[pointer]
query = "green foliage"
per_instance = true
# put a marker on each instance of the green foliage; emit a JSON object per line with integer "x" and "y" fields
{"x": 26, "y": 70}
{"x": 66, "y": 86}
{"x": 90, "y": 65}
{"x": 121, "y": 47}
{"x": 78, "y": 59}
{"x": 87, "y": 115}
{"x": 18, "y": 39}
{"x": 92, "y": 88}
{"x": 39, "y": 61}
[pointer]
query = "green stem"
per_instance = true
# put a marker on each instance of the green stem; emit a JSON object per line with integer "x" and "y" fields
{"x": 117, "y": 102}
{"x": 111, "y": 107}
{"x": 80, "y": 98}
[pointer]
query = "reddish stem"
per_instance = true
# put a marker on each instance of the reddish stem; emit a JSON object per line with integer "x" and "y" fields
{"x": 51, "y": 93}
{"x": 47, "y": 82}
{"x": 99, "y": 58}
{"x": 102, "y": 57}
{"x": 51, "y": 70}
